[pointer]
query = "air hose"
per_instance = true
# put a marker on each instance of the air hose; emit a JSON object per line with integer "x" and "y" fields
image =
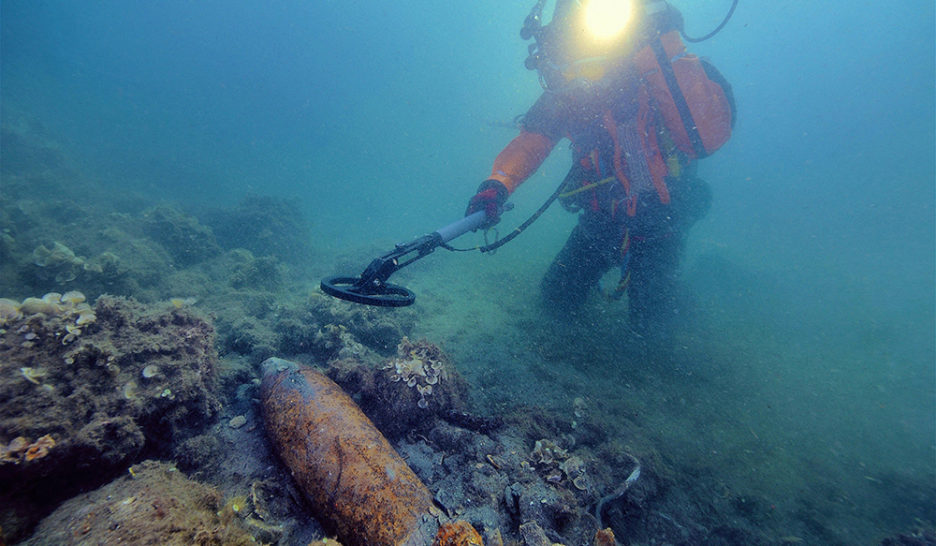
{"x": 724, "y": 22}
{"x": 491, "y": 247}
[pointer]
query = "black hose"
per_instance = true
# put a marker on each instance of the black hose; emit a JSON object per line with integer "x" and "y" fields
{"x": 500, "y": 242}
{"x": 724, "y": 22}
{"x": 517, "y": 231}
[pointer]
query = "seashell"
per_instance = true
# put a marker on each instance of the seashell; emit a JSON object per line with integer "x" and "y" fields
{"x": 540, "y": 453}
{"x": 86, "y": 317}
{"x": 580, "y": 483}
{"x": 179, "y": 303}
{"x": 150, "y": 371}
{"x": 546, "y": 452}
{"x": 40, "y": 448}
{"x": 32, "y": 306}
{"x": 411, "y": 382}
{"x": 73, "y": 297}
{"x": 394, "y": 378}
{"x": 237, "y": 422}
{"x": 33, "y": 375}
{"x": 422, "y": 403}
{"x": 432, "y": 379}
{"x": 52, "y": 297}
{"x": 67, "y": 276}
{"x": 9, "y": 310}
{"x": 129, "y": 390}
{"x": 573, "y": 467}
{"x": 18, "y": 445}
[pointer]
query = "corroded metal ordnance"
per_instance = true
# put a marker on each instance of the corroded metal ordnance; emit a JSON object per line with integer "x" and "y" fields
{"x": 356, "y": 482}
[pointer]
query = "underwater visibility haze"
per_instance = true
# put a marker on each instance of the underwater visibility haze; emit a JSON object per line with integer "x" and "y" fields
{"x": 181, "y": 175}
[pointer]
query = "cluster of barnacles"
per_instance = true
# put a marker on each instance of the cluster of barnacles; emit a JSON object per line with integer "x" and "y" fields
{"x": 559, "y": 464}
{"x": 420, "y": 365}
{"x": 20, "y": 449}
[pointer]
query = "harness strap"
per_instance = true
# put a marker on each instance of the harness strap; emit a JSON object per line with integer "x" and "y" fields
{"x": 624, "y": 281}
{"x": 611, "y": 127}
{"x": 587, "y": 187}
{"x": 678, "y": 98}
{"x": 652, "y": 160}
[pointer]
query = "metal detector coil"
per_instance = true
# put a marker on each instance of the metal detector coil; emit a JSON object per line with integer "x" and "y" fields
{"x": 371, "y": 286}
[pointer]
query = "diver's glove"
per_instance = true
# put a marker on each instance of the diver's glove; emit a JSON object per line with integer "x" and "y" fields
{"x": 491, "y": 196}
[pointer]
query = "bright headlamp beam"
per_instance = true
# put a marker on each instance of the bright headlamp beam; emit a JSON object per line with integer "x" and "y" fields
{"x": 607, "y": 19}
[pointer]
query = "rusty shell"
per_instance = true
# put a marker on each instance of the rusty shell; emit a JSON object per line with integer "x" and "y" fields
{"x": 357, "y": 484}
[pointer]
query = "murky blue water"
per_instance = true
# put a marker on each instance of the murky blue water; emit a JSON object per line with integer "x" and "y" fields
{"x": 381, "y": 119}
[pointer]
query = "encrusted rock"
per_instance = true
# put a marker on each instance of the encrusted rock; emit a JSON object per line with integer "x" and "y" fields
{"x": 81, "y": 391}
{"x": 237, "y": 422}
{"x": 406, "y": 393}
{"x": 533, "y": 535}
{"x": 154, "y": 504}
{"x": 187, "y": 241}
{"x": 58, "y": 263}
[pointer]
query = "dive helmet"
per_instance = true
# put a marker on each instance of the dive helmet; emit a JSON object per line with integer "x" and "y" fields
{"x": 576, "y": 41}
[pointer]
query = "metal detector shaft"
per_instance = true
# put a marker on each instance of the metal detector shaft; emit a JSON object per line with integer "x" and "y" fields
{"x": 401, "y": 255}
{"x": 371, "y": 286}
{"x": 461, "y": 227}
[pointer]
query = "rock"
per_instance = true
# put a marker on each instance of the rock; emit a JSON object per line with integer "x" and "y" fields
{"x": 407, "y": 393}
{"x": 237, "y": 422}
{"x": 533, "y": 535}
{"x": 152, "y": 504}
{"x": 187, "y": 241}
{"x": 82, "y": 385}
{"x": 605, "y": 537}
{"x": 266, "y": 226}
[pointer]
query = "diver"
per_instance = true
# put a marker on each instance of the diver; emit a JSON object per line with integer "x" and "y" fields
{"x": 639, "y": 111}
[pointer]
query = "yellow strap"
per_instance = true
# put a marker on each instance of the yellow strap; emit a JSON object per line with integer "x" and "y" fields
{"x": 587, "y": 187}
